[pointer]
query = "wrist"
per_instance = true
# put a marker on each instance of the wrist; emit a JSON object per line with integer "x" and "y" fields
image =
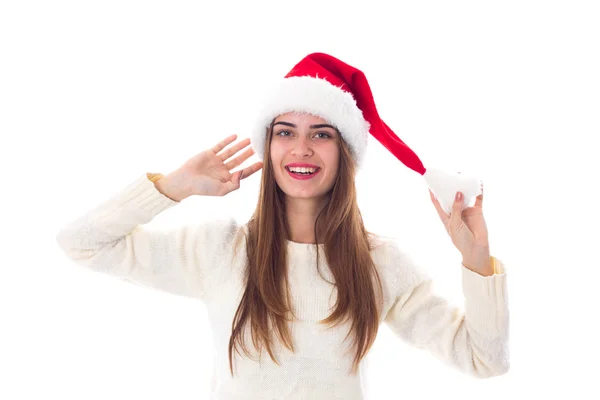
{"x": 479, "y": 261}
{"x": 169, "y": 185}
{"x": 487, "y": 269}
{"x": 154, "y": 176}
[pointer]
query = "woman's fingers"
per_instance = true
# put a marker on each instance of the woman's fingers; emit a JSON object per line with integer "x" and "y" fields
{"x": 456, "y": 214}
{"x": 443, "y": 216}
{"x": 248, "y": 171}
{"x": 228, "y": 153}
{"x": 221, "y": 145}
{"x": 239, "y": 159}
{"x": 237, "y": 176}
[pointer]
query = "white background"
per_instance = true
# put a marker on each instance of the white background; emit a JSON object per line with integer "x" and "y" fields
{"x": 93, "y": 94}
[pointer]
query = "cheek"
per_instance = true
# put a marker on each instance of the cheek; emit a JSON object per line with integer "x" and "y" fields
{"x": 278, "y": 151}
{"x": 333, "y": 156}
{"x": 276, "y": 156}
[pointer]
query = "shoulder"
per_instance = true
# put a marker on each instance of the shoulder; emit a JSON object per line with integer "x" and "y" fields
{"x": 217, "y": 232}
{"x": 216, "y": 239}
{"x": 396, "y": 262}
{"x": 218, "y": 247}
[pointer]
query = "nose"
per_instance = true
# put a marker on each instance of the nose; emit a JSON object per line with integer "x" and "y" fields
{"x": 301, "y": 147}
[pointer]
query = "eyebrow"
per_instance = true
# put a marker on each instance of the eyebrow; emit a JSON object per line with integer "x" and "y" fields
{"x": 317, "y": 126}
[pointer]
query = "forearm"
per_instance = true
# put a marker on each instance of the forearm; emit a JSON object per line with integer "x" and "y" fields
{"x": 112, "y": 220}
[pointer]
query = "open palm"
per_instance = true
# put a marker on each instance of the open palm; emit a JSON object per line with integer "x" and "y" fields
{"x": 209, "y": 172}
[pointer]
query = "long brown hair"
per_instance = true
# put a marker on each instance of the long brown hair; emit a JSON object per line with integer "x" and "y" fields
{"x": 266, "y": 300}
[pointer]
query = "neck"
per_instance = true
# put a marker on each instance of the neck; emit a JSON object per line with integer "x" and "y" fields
{"x": 301, "y": 217}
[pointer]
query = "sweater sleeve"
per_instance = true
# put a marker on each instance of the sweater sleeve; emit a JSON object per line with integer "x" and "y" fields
{"x": 473, "y": 339}
{"x": 111, "y": 239}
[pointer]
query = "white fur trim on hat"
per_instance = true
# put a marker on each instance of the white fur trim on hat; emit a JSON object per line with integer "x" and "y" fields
{"x": 318, "y": 97}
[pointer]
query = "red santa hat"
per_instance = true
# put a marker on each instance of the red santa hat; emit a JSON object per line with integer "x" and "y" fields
{"x": 324, "y": 86}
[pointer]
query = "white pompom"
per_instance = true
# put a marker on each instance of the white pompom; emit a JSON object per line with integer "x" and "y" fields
{"x": 445, "y": 185}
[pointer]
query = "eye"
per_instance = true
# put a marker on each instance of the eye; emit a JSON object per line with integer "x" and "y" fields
{"x": 327, "y": 135}
{"x": 283, "y": 131}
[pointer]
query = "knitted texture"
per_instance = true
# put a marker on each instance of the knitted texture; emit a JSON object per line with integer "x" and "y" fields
{"x": 205, "y": 261}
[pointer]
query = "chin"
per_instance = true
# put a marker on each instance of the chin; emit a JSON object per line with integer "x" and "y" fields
{"x": 295, "y": 194}
{"x": 291, "y": 190}
{"x": 306, "y": 196}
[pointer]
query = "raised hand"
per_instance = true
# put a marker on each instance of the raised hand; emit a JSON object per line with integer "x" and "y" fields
{"x": 468, "y": 231}
{"x": 209, "y": 173}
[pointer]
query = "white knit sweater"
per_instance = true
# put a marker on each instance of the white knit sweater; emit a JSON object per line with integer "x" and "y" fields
{"x": 198, "y": 261}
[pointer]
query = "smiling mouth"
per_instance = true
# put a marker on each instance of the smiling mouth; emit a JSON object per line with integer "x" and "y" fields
{"x": 317, "y": 169}
{"x": 303, "y": 175}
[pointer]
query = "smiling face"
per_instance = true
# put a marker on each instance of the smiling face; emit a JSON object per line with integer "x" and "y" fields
{"x": 305, "y": 143}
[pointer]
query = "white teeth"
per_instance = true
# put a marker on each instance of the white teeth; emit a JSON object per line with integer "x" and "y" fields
{"x": 302, "y": 169}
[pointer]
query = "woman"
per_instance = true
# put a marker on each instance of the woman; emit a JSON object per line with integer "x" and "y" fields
{"x": 302, "y": 281}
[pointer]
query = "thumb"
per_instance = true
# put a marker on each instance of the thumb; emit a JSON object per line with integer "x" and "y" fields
{"x": 234, "y": 183}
